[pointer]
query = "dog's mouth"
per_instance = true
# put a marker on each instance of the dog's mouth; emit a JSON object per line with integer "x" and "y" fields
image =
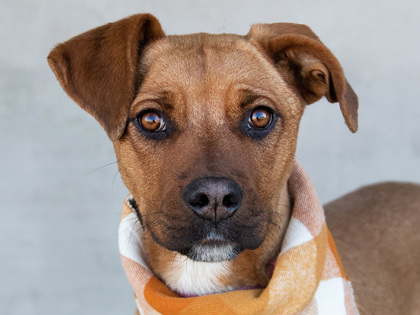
{"x": 211, "y": 245}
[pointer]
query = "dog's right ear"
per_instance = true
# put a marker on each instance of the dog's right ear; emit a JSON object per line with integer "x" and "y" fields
{"x": 98, "y": 69}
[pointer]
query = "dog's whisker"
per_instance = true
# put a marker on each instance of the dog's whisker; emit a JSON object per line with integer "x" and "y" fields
{"x": 173, "y": 260}
{"x": 274, "y": 223}
{"x": 128, "y": 227}
{"x": 112, "y": 185}
{"x": 131, "y": 234}
{"x": 137, "y": 231}
{"x": 131, "y": 219}
{"x": 184, "y": 261}
{"x": 97, "y": 169}
{"x": 280, "y": 215}
{"x": 271, "y": 236}
{"x": 144, "y": 234}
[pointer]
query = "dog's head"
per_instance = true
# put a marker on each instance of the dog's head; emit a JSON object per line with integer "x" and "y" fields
{"x": 204, "y": 126}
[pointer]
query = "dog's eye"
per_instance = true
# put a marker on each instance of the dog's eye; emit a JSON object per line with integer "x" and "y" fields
{"x": 151, "y": 121}
{"x": 153, "y": 124}
{"x": 260, "y": 118}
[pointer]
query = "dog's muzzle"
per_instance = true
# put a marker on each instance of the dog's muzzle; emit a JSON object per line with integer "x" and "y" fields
{"x": 209, "y": 219}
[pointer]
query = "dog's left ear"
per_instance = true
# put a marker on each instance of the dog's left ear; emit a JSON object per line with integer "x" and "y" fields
{"x": 307, "y": 65}
{"x": 98, "y": 69}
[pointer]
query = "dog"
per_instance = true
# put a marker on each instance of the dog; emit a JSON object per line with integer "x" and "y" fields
{"x": 204, "y": 129}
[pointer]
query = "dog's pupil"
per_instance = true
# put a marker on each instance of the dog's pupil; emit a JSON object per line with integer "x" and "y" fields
{"x": 151, "y": 121}
{"x": 260, "y": 118}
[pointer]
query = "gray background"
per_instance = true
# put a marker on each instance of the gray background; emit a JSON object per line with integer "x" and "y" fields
{"x": 59, "y": 217}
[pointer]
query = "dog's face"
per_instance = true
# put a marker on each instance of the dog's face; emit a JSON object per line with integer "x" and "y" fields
{"x": 204, "y": 126}
{"x": 211, "y": 134}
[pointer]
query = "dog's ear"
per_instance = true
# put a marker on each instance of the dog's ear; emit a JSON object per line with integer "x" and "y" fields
{"x": 98, "y": 69}
{"x": 307, "y": 65}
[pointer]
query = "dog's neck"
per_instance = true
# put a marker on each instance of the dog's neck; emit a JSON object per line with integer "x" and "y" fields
{"x": 251, "y": 269}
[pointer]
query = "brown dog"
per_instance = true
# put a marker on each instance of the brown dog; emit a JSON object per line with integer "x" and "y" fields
{"x": 204, "y": 129}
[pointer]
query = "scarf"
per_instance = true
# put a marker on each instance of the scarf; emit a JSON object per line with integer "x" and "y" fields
{"x": 308, "y": 277}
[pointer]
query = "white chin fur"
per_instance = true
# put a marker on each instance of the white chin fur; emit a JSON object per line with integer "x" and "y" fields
{"x": 193, "y": 278}
{"x": 212, "y": 252}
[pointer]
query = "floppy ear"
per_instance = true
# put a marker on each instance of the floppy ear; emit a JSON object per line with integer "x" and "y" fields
{"x": 98, "y": 69}
{"x": 307, "y": 65}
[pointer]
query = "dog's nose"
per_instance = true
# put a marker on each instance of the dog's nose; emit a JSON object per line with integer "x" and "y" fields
{"x": 213, "y": 198}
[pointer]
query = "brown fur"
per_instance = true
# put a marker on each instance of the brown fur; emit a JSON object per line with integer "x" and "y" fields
{"x": 98, "y": 69}
{"x": 206, "y": 84}
{"x": 376, "y": 230}
{"x": 195, "y": 151}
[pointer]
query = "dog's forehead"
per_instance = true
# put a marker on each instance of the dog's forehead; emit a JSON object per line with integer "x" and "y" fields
{"x": 207, "y": 69}
{"x": 192, "y": 58}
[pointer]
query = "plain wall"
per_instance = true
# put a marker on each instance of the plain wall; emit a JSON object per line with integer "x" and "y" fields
{"x": 60, "y": 210}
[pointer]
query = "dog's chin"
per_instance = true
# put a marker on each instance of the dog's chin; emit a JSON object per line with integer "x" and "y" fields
{"x": 212, "y": 251}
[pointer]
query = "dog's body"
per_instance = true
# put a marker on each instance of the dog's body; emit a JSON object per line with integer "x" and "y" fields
{"x": 376, "y": 230}
{"x": 205, "y": 128}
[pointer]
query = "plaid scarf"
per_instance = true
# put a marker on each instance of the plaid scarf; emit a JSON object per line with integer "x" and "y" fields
{"x": 308, "y": 277}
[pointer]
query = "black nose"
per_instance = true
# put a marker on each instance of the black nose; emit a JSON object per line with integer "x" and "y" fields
{"x": 213, "y": 198}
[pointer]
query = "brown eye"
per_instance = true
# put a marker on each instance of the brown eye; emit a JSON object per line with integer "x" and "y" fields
{"x": 152, "y": 121}
{"x": 260, "y": 118}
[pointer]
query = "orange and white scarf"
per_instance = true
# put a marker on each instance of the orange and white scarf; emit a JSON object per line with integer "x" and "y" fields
{"x": 308, "y": 277}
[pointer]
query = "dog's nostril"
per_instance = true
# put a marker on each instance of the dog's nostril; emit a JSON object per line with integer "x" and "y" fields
{"x": 199, "y": 200}
{"x": 230, "y": 201}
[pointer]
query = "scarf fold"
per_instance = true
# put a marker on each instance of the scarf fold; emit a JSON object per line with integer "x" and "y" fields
{"x": 308, "y": 277}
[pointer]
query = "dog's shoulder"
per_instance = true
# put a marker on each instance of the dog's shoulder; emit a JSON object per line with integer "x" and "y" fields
{"x": 378, "y": 204}
{"x": 376, "y": 230}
